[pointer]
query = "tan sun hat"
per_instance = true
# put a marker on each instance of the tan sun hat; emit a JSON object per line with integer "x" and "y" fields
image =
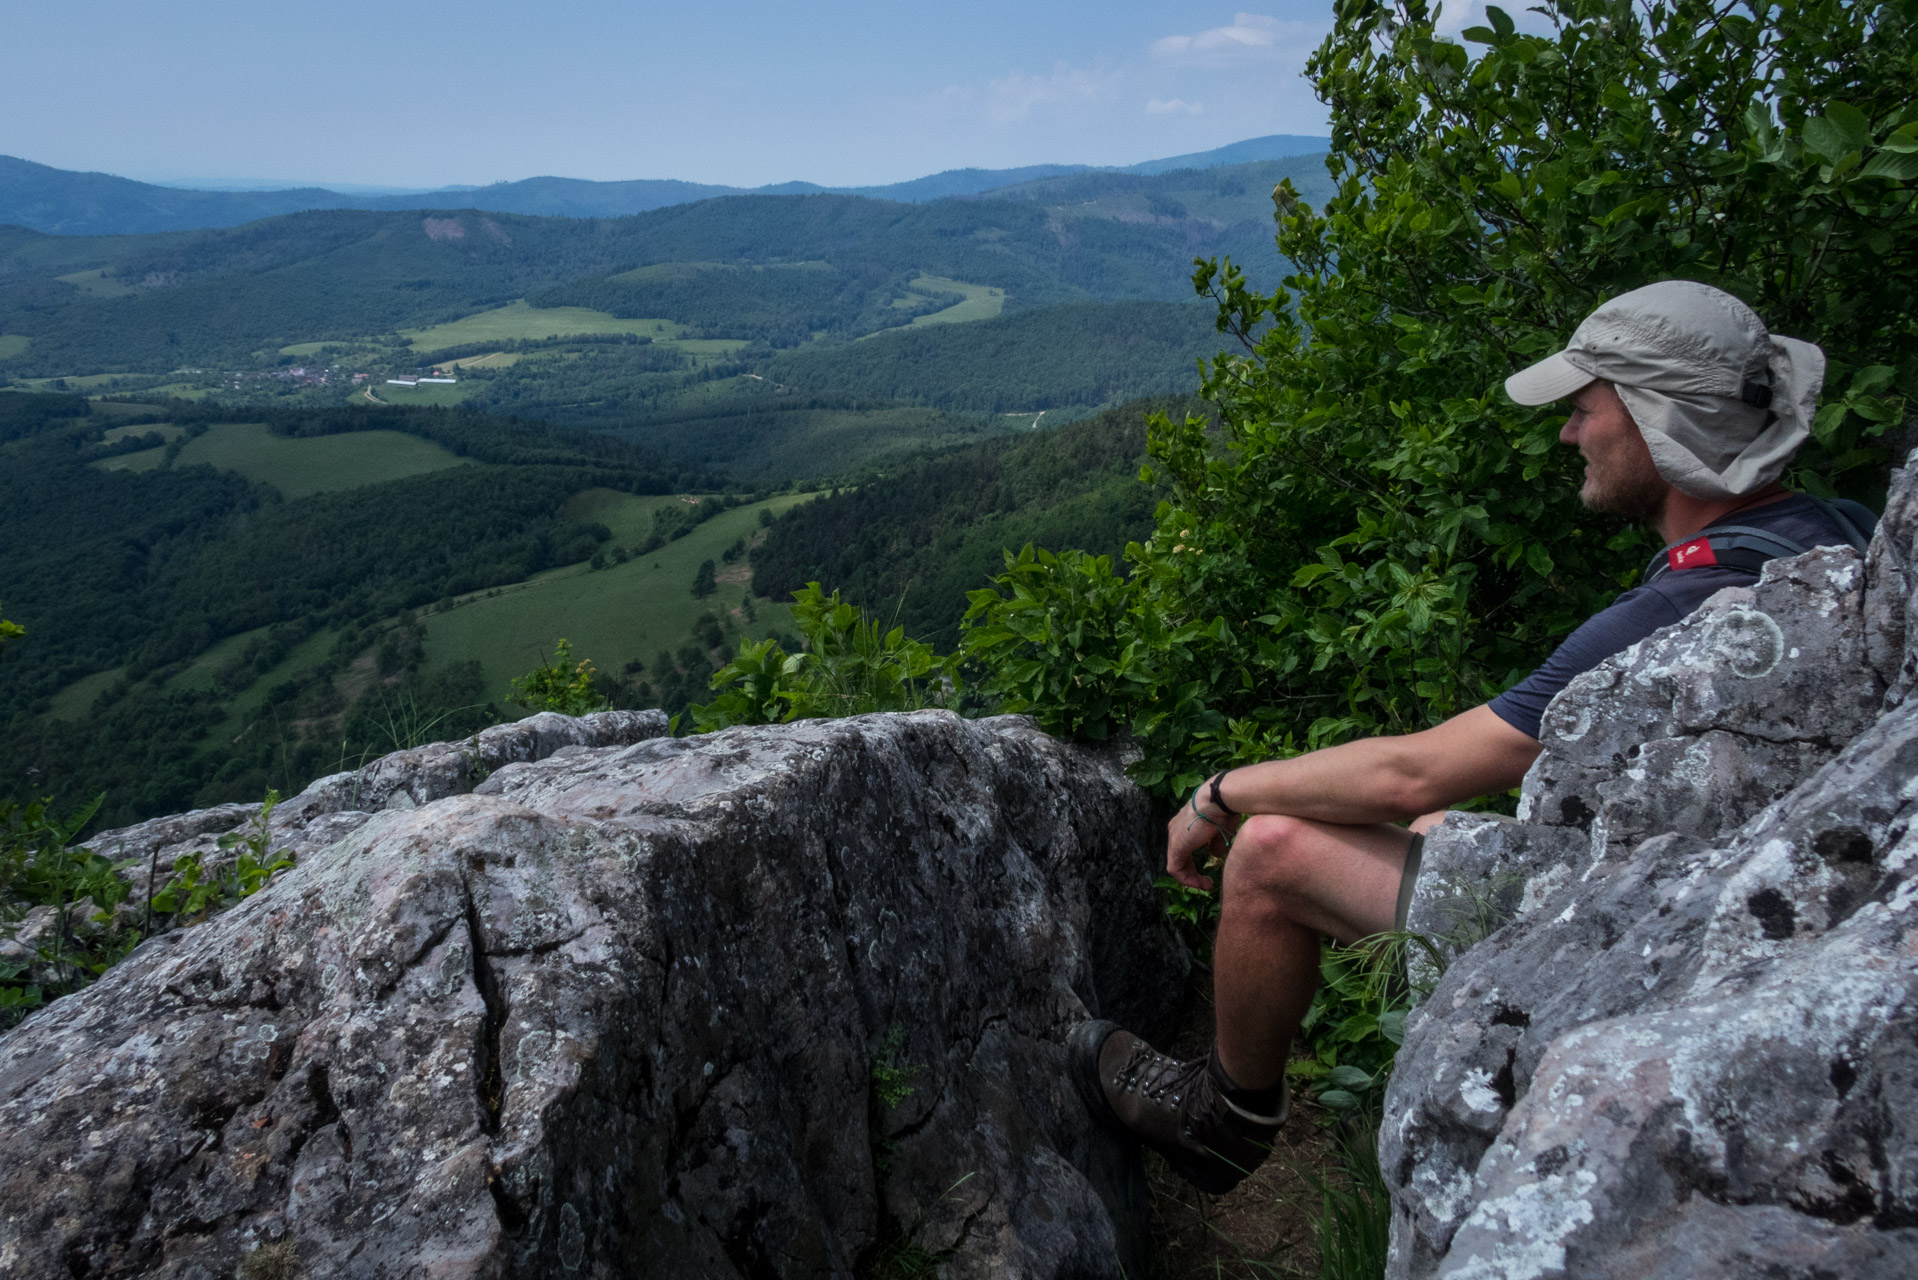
{"x": 1723, "y": 405}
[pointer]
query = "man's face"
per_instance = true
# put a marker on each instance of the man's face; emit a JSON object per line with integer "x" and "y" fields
{"x": 1620, "y": 478}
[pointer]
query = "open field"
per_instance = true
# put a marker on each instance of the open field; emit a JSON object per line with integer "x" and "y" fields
{"x": 96, "y": 283}
{"x": 144, "y": 460}
{"x": 432, "y": 393}
{"x": 74, "y": 702}
{"x": 13, "y": 344}
{"x": 611, "y": 615}
{"x": 983, "y": 302}
{"x": 246, "y": 705}
{"x": 166, "y": 430}
{"x": 706, "y": 350}
{"x": 519, "y": 322}
{"x": 301, "y": 466}
{"x": 491, "y": 360}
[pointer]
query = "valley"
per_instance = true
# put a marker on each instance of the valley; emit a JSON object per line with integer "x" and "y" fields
{"x": 320, "y": 484}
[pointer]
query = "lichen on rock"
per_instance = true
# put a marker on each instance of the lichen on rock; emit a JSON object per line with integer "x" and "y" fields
{"x": 1688, "y": 1047}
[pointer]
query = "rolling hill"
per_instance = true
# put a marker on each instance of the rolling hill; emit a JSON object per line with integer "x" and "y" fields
{"x": 64, "y": 202}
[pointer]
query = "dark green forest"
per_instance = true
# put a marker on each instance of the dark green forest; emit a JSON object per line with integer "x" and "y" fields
{"x": 1050, "y": 358}
{"x": 229, "y": 297}
{"x": 141, "y": 572}
{"x": 908, "y": 546}
{"x": 782, "y": 305}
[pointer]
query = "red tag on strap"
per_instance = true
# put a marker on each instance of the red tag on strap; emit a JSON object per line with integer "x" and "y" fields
{"x": 1695, "y": 554}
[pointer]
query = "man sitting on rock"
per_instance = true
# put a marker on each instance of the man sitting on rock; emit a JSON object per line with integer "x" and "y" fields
{"x": 1686, "y": 411}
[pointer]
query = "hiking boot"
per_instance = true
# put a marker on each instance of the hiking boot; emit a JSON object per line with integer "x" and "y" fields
{"x": 1179, "y": 1109}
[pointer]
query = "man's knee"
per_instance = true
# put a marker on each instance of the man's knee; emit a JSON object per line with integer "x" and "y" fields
{"x": 1271, "y": 856}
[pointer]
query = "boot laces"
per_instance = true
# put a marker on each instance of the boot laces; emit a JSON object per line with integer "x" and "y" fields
{"x": 1154, "y": 1075}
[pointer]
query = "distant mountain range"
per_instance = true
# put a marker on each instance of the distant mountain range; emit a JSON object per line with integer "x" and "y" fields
{"x": 64, "y": 202}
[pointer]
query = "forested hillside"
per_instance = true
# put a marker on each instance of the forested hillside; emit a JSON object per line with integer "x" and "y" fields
{"x": 1050, "y": 358}
{"x": 908, "y": 546}
{"x": 62, "y": 202}
{"x": 233, "y": 298}
{"x": 170, "y": 591}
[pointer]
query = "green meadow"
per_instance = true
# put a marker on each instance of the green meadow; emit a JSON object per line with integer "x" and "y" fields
{"x": 519, "y": 322}
{"x": 610, "y": 615}
{"x": 96, "y": 283}
{"x": 298, "y": 466}
{"x": 13, "y": 344}
{"x": 166, "y": 431}
{"x": 983, "y": 302}
{"x": 440, "y": 394}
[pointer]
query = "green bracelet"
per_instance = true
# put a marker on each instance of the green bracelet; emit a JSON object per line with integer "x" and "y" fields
{"x": 1201, "y": 815}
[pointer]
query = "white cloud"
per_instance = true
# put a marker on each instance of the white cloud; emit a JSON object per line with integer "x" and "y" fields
{"x": 1014, "y": 97}
{"x": 1173, "y": 107}
{"x": 1251, "y": 38}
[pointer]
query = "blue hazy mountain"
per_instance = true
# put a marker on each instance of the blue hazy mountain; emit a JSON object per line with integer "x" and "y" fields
{"x": 65, "y": 202}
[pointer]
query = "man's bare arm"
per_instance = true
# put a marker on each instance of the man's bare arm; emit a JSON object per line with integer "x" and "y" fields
{"x": 1373, "y": 780}
{"x": 1389, "y": 779}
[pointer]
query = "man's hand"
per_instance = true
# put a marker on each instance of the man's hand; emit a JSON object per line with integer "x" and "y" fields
{"x": 1186, "y": 835}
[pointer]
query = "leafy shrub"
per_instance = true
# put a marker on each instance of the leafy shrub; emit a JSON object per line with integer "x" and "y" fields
{"x": 1374, "y": 538}
{"x": 560, "y": 685}
{"x": 847, "y": 667}
{"x": 41, "y": 867}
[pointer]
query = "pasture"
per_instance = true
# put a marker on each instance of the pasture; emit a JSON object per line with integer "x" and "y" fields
{"x": 166, "y": 431}
{"x": 983, "y": 301}
{"x": 13, "y": 345}
{"x": 611, "y": 615}
{"x": 298, "y": 466}
{"x": 518, "y": 322}
{"x": 430, "y": 393}
{"x": 96, "y": 283}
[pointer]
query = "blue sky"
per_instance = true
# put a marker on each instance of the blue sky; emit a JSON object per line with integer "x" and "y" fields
{"x": 424, "y": 93}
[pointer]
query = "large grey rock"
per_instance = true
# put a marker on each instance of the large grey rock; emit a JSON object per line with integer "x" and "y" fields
{"x": 1691, "y": 1050}
{"x": 334, "y": 807}
{"x": 616, "y": 1012}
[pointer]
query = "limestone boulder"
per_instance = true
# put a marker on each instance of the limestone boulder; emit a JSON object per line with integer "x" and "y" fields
{"x": 1679, "y": 1032}
{"x": 767, "y": 1002}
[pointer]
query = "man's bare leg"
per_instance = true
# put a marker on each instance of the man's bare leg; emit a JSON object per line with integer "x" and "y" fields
{"x": 1289, "y": 881}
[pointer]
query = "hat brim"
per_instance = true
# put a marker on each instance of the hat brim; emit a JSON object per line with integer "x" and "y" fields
{"x": 1552, "y": 378}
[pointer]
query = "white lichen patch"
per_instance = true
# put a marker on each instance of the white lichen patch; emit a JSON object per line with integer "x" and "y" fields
{"x": 1477, "y": 1093}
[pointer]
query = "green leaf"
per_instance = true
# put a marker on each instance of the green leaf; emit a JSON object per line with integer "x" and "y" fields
{"x": 1351, "y": 1078}
{"x": 1829, "y": 141}
{"x": 1338, "y": 1100}
{"x": 1892, "y": 166}
{"x": 1851, "y": 123}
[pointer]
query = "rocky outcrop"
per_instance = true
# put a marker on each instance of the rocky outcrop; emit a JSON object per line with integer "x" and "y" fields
{"x": 579, "y": 1000}
{"x": 1692, "y": 1049}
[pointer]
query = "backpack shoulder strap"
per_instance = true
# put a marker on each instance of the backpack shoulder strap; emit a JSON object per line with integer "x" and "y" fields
{"x": 1854, "y": 519}
{"x": 1736, "y": 546}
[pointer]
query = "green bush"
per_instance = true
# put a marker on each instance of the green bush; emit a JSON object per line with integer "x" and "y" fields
{"x": 1375, "y": 538}
{"x": 847, "y": 667}
{"x": 560, "y": 684}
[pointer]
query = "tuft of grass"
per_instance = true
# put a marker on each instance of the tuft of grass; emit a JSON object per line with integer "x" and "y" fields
{"x": 1355, "y": 1216}
{"x": 279, "y": 1260}
{"x": 891, "y": 1078}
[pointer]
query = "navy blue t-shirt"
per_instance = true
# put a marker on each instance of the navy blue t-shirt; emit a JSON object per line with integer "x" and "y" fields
{"x": 1643, "y": 610}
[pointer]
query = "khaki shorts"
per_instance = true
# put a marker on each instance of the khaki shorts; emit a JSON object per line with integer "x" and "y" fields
{"x": 1414, "y": 855}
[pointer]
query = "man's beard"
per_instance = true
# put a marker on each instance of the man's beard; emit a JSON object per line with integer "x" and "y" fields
{"x": 1620, "y": 488}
